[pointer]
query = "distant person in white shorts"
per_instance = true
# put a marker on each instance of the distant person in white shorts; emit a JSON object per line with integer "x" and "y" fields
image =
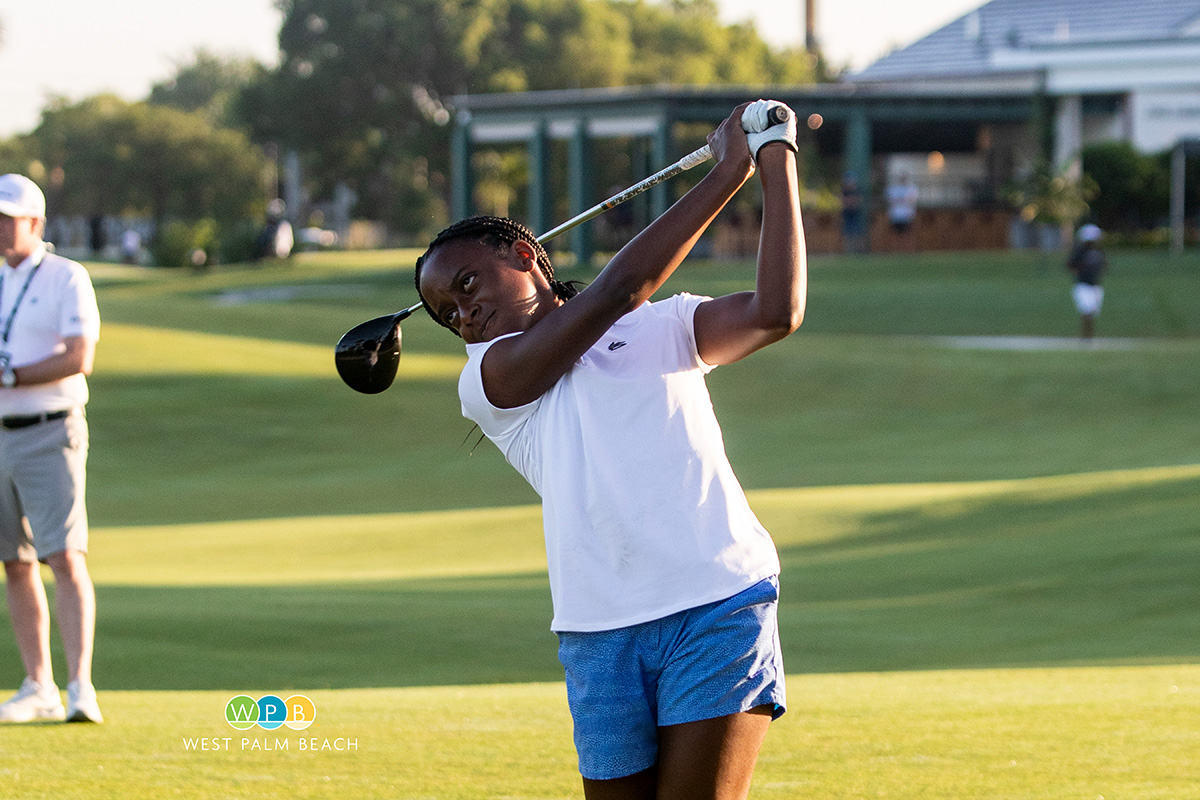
{"x": 1088, "y": 262}
{"x": 49, "y": 325}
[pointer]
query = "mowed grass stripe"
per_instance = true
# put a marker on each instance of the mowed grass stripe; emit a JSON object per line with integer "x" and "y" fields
{"x": 144, "y": 350}
{"x": 507, "y": 541}
{"x": 943, "y": 735}
{"x": 372, "y": 547}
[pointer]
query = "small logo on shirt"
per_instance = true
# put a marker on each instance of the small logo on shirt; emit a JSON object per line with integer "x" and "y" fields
{"x": 616, "y": 345}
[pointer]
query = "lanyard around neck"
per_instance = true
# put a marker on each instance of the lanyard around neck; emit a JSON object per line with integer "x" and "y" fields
{"x": 20, "y": 296}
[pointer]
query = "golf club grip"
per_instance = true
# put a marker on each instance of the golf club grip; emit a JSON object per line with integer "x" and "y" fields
{"x": 779, "y": 115}
{"x": 682, "y": 165}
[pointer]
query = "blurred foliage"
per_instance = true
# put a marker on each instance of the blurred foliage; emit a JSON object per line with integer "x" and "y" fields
{"x": 1135, "y": 188}
{"x": 1052, "y": 197}
{"x": 15, "y": 156}
{"x": 204, "y": 242}
{"x": 105, "y": 155}
{"x": 363, "y": 87}
{"x": 236, "y": 242}
{"x": 184, "y": 244}
{"x": 208, "y": 84}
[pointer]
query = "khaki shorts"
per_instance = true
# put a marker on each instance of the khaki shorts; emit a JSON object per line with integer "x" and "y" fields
{"x": 42, "y": 478}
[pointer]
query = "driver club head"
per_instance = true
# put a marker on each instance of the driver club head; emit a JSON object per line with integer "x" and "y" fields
{"x": 368, "y": 354}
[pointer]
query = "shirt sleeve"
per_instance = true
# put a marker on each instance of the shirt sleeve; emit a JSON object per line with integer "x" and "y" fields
{"x": 498, "y": 424}
{"x": 79, "y": 314}
{"x": 683, "y": 308}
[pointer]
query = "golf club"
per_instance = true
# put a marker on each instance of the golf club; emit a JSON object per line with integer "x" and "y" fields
{"x": 368, "y": 355}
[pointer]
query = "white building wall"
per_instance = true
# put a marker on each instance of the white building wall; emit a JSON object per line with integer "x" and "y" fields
{"x": 1161, "y": 118}
{"x": 1161, "y": 80}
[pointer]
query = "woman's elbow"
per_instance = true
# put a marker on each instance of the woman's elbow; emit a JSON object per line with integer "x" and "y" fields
{"x": 785, "y": 321}
{"x": 796, "y": 318}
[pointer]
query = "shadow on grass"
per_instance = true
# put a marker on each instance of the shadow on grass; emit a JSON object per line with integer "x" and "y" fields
{"x": 186, "y": 449}
{"x": 404, "y": 633}
{"x": 1105, "y": 577}
{"x": 1081, "y": 574}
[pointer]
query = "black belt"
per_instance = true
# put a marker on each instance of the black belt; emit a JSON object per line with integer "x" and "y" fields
{"x": 12, "y": 423}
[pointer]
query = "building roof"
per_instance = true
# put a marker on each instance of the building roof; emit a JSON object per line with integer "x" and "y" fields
{"x": 965, "y": 47}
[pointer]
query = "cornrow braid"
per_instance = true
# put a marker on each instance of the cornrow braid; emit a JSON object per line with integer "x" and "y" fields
{"x": 498, "y": 233}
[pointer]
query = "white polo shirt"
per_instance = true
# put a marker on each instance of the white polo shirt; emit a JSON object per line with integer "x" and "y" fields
{"x": 60, "y": 302}
{"x": 643, "y": 515}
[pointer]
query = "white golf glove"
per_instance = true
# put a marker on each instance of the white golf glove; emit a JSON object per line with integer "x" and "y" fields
{"x": 761, "y": 123}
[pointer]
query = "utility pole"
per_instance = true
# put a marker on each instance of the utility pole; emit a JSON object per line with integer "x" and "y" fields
{"x": 811, "y": 45}
{"x": 810, "y": 27}
{"x": 1178, "y": 171}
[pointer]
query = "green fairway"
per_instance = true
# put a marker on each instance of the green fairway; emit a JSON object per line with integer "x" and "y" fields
{"x": 1086, "y": 569}
{"x": 947, "y": 735}
{"x": 990, "y": 553}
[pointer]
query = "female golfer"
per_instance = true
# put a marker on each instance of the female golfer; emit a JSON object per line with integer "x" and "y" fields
{"x": 663, "y": 581}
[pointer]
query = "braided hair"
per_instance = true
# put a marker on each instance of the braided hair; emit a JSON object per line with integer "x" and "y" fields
{"x": 498, "y": 233}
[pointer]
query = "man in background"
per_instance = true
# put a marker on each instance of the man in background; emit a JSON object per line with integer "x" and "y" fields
{"x": 1087, "y": 261}
{"x": 131, "y": 246}
{"x": 902, "y": 210}
{"x": 49, "y": 325}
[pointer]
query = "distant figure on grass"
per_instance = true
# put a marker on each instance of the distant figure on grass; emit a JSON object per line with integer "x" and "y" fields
{"x": 131, "y": 246}
{"x": 902, "y": 209}
{"x": 276, "y": 240}
{"x": 664, "y": 584}
{"x": 1088, "y": 262}
{"x": 49, "y": 325}
{"x": 283, "y": 239}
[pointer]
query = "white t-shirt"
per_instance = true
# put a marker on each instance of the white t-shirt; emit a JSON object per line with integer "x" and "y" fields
{"x": 59, "y": 303}
{"x": 643, "y": 515}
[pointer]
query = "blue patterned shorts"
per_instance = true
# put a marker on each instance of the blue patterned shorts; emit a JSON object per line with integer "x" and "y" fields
{"x": 710, "y": 661}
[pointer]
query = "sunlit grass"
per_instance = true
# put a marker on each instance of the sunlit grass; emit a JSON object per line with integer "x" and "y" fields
{"x": 491, "y": 541}
{"x": 508, "y": 541}
{"x": 951, "y": 735}
{"x": 142, "y": 350}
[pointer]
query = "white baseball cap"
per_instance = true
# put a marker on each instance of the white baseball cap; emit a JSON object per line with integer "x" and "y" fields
{"x": 21, "y": 197}
{"x": 1090, "y": 233}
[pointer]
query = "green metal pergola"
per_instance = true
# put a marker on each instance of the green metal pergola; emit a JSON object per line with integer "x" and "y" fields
{"x": 857, "y": 123}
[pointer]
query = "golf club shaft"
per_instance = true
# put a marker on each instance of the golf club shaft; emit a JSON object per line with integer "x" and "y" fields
{"x": 775, "y": 116}
{"x": 682, "y": 165}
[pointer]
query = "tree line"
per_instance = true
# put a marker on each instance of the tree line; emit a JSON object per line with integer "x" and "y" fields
{"x": 362, "y": 92}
